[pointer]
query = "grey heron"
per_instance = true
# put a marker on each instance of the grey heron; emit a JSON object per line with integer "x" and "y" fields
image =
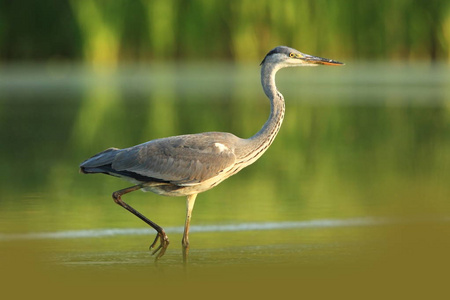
{"x": 186, "y": 165}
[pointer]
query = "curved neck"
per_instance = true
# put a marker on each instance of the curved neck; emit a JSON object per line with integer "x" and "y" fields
{"x": 259, "y": 143}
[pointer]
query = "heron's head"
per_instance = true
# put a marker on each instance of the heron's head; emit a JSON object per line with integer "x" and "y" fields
{"x": 288, "y": 57}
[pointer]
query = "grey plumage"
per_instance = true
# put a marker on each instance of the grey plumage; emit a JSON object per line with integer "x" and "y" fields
{"x": 186, "y": 165}
{"x": 183, "y": 160}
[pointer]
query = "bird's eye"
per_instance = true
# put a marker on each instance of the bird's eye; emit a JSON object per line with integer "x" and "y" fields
{"x": 292, "y": 55}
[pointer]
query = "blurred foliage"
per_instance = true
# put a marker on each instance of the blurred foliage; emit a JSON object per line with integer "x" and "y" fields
{"x": 365, "y": 140}
{"x": 374, "y": 142}
{"x": 105, "y": 32}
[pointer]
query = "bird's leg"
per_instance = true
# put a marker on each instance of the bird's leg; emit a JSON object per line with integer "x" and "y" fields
{"x": 185, "y": 241}
{"x": 164, "y": 240}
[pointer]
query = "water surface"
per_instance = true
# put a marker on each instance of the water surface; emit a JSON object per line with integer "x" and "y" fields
{"x": 356, "y": 179}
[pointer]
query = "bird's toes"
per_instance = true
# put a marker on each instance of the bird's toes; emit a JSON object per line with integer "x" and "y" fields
{"x": 163, "y": 244}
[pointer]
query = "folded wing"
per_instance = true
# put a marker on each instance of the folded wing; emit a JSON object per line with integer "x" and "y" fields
{"x": 181, "y": 160}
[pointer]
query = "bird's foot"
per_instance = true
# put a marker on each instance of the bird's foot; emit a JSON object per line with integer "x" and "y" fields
{"x": 163, "y": 244}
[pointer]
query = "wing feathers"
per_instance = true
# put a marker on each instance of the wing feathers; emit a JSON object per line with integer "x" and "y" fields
{"x": 182, "y": 160}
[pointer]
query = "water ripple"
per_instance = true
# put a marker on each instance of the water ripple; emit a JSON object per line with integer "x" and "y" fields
{"x": 322, "y": 223}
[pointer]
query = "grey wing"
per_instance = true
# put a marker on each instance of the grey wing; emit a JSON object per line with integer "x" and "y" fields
{"x": 182, "y": 160}
{"x": 97, "y": 163}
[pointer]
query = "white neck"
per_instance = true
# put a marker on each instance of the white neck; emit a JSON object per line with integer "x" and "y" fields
{"x": 258, "y": 144}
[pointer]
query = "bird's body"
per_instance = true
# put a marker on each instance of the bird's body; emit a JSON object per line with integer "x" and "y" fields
{"x": 178, "y": 165}
{"x": 187, "y": 165}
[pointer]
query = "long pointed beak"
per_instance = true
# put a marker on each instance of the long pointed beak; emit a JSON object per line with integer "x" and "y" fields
{"x": 320, "y": 60}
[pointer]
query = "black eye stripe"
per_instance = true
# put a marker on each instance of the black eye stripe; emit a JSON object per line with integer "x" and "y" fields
{"x": 279, "y": 50}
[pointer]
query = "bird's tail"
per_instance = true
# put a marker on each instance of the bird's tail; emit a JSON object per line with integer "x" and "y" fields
{"x": 99, "y": 160}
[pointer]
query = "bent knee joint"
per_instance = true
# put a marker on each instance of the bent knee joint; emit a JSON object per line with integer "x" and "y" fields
{"x": 116, "y": 196}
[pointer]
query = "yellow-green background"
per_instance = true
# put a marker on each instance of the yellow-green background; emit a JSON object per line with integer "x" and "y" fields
{"x": 369, "y": 140}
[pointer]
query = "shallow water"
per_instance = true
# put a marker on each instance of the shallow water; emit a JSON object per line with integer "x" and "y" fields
{"x": 357, "y": 178}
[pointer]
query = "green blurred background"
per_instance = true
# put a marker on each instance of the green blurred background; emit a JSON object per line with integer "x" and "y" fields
{"x": 367, "y": 141}
{"x": 116, "y": 31}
